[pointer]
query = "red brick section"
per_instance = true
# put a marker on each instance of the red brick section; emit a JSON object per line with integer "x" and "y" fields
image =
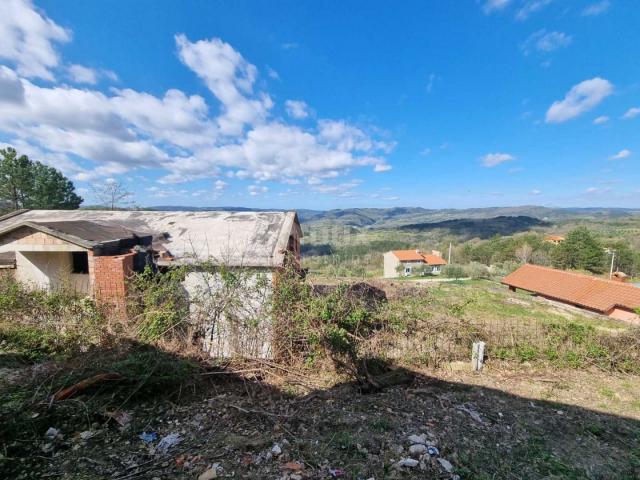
{"x": 582, "y": 290}
{"x": 109, "y": 275}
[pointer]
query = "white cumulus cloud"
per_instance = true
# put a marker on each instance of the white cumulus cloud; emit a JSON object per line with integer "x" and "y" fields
{"x": 495, "y": 159}
{"x": 180, "y": 135}
{"x": 596, "y": 8}
{"x": 491, "y": 6}
{"x": 581, "y": 98}
{"x": 531, "y": 7}
{"x": 600, "y": 120}
{"x": 545, "y": 42}
{"x": 297, "y": 109}
{"x": 28, "y": 38}
{"x": 620, "y": 155}
{"x": 631, "y": 113}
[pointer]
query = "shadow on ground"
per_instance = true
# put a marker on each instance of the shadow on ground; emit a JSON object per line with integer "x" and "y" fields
{"x": 247, "y": 427}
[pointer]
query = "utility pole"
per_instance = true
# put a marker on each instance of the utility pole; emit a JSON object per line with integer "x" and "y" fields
{"x": 613, "y": 256}
{"x": 449, "y": 259}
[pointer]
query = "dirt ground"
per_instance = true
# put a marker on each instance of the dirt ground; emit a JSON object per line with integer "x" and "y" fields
{"x": 500, "y": 424}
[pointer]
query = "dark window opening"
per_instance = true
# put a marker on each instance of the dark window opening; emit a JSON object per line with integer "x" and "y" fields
{"x": 80, "y": 262}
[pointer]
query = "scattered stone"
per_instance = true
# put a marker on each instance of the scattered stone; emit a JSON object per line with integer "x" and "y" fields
{"x": 471, "y": 411}
{"x": 406, "y": 462}
{"x": 52, "y": 433}
{"x": 87, "y": 434}
{"x": 433, "y": 451}
{"x": 446, "y": 464}
{"x": 417, "y": 449}
{"x": 276, "y": 450}
{"x": 421, "y": 439}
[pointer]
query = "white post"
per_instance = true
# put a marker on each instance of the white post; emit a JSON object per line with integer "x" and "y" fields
{"x": 449, "y": 260}
{"x": 477, "y": 356}
{"x": 613, "y": 256}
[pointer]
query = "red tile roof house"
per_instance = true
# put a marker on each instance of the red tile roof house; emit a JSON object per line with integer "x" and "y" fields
{"x": 606, "y": 297}
{"x": 409, "y": 260}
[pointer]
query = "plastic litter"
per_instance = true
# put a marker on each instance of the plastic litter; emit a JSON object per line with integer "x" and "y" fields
{"x": 433, "y": 451}
{"x": 52, "y": 433}
{"x": 148, "y": 437}
{"x": 336, "y": 472}
{"x": 167, "y": 442}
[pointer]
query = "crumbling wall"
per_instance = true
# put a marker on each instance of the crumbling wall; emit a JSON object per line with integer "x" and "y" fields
{"x": 233, "y": 311}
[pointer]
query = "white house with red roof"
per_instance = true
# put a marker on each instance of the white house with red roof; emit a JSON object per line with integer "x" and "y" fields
{"x": 412, "y": 262}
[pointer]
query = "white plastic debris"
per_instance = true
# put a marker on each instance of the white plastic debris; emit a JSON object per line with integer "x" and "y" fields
{"x": 276, "y": 449}
{"x": 52, "y": 433}
{"x": 167, "y": 442}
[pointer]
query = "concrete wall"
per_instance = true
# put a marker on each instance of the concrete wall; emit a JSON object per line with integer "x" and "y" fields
{"x": 390, "y": 264}
{"x": 51, "y": 271}
{"x": 626, "y": 315}
{"x": 245, "y": 328}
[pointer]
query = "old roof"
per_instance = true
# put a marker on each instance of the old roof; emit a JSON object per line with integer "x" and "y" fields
{"x": 554, "y": 238}
{"x": 79, "y": 232}
{"x": 418, "y": 256}
{"x": 582, "y": 290}
{"x": 252, "y": 239}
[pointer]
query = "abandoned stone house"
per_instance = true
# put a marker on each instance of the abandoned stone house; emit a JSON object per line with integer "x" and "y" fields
{"x": 94, "y": 252}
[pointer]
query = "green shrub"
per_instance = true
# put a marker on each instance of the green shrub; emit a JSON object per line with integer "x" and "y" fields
{"x": 453, "y": 271}
{"x": 158, "y": 303}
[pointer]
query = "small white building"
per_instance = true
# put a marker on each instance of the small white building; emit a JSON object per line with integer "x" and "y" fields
{"x": 412, "y": 262}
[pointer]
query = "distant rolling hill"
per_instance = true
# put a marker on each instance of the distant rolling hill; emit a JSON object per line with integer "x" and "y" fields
{"x": 411, "y": 216}
{"x": 483, "y": 228}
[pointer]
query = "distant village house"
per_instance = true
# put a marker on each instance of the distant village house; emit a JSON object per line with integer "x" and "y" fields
{"x": 555, "y": 239}
{"x": 412, "y": 262}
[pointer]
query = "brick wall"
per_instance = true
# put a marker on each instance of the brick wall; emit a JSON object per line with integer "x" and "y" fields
{"x": 109, "y": 276}
{"x": 29, "y": 236}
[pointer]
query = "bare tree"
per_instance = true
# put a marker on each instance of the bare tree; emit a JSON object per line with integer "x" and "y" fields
{"x": 524, "y": 252}
{"x": 112, "y": 194}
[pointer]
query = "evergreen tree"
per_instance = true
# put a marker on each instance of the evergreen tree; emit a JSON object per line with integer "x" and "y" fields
{"x": 580, "y": 250}
{"x": 28, "y": 184}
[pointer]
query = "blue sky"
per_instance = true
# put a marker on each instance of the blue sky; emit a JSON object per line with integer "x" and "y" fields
{"x": 330, "y": 104}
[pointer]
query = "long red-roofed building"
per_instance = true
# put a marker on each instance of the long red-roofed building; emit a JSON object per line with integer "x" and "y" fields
{"x": 607, "y": 297}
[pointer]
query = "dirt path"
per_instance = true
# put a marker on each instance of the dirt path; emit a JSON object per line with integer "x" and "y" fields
{"x": 501, "y": 424}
